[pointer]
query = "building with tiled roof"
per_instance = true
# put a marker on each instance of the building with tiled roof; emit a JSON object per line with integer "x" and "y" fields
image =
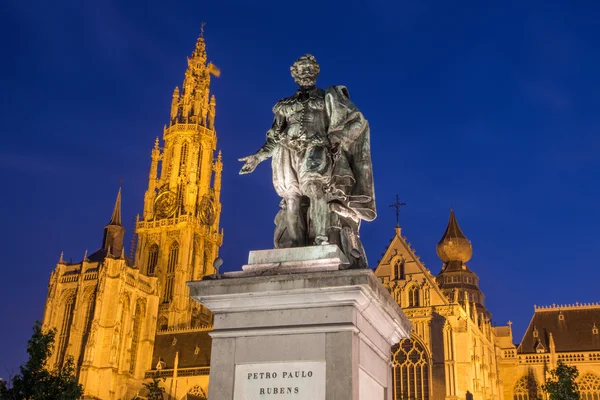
{"x": 567, "y": 333}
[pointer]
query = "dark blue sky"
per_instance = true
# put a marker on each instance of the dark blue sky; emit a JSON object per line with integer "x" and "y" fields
{"x": 491, "y": 107}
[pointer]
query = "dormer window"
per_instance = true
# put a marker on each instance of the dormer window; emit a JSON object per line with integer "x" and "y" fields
{"x": 535, "y": 332}
{"x": 594, "y": 329}
{"x": 561, "y": 316}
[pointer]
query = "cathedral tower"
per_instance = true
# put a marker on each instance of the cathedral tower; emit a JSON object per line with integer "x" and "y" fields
{"x": 178, "y": 236}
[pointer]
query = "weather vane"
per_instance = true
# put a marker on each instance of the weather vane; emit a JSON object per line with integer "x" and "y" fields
{"x": 202, "y": 29}
{"x": 397, "y": 205}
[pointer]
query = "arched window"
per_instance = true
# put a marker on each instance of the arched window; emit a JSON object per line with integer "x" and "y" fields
{"x": 199, "y": 161}
{"x": 399, "y": 269}
{"x": 87, "y": 323}
{"x": 135, "y": 336}
{"x": 125, "y": 315}
{"x": 65, "y": 328}
{"x": 180, "y": 197}
{"x": 526, "y": 388}
{"x": 410, "y": 371}
{"x": 163, "y": 323}
{"x": 152, "y": 260}
{"x": 413, "y": 297}
{"x": 183, "y": 158}
{"x": 589, "y": 387}
{"x": 170, "y": 277}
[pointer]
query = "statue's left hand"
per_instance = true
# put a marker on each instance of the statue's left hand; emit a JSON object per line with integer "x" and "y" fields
{"x": 250, "y": 165}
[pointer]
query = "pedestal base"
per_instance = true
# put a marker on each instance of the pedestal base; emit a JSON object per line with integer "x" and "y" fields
{"x": 319, "y": 335}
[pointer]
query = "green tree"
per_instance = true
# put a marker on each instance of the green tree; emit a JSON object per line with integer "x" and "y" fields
{"x": 562, "y": 385}
{"x": 155, "y": 391}
{"x": 36, "y": 381}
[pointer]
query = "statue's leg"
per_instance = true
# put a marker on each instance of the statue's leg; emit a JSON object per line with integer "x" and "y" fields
{"x": 318, "y": 212}
{"x": 296, "y": 225}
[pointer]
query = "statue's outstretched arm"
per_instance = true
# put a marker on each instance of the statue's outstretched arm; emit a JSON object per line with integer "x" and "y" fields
{"x": 273, "y": 136}
{"x": 266, "y": 151}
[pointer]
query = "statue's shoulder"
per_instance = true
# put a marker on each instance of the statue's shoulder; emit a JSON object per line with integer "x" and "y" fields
{"x": 339, "y": 92}
{"x": 279, "y": 106}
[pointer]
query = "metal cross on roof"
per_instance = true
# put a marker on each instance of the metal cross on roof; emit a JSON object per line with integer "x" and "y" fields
{"x": 397, "y": 206}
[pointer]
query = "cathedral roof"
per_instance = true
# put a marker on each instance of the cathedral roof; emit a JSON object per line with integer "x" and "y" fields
{"x": 571, "y": 327}
{"x": 193, "y": 347}
{"x": 454, "y": 246}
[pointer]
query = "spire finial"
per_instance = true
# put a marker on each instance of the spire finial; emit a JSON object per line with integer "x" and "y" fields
{"x": 60, "y": 260}
{"x": 85, "y": 255}
{"x": 116, "y": 214}
{"x": 397, "y": 205}
{"x": 202, "y": 29}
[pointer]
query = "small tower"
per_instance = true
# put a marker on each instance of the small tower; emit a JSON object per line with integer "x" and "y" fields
{"x": 114, "y": 232}
{"x": 454, "y": 249}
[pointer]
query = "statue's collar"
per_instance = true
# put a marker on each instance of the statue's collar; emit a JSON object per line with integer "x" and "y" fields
{"x": 303, "y": 94}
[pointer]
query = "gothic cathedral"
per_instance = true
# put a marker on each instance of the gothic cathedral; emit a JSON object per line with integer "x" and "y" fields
{"x": 110, "y": 310}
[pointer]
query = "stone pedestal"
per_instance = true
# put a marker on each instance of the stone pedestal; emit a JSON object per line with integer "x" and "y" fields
{"x": 311, "y": 335}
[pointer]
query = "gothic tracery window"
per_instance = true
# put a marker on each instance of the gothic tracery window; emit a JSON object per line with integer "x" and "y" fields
{"x": 413, "y": 297}
{"x": 135, "y": 337}
{"x": 170, "y": 277}
{"x": 87, "y": 322}
{"x": 589, "y": 387}
{"x": 152, "y": 260}
{"x": 399, "y": 269}
{"x": 65, "y": 328}
{"x": 410, "y": 371}
{"x": 183, "y": 158}
{"x": 526, "y": 388}
{"x": 198, "y": 391}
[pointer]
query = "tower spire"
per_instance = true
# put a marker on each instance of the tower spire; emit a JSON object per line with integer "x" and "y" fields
{"x": 115, "y": 219}
{"x": 114, "y": 232}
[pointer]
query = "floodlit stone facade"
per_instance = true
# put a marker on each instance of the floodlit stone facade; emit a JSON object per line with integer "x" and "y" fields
{"x": 452, "y": 352}
{"x": 125, "y": 319}
{"x": 567, "y": 333}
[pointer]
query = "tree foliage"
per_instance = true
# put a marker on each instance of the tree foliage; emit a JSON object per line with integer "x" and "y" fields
{"x": 562, "y": 385}
{"x": 155, "y": 391}
{"x": 35, "y": 381}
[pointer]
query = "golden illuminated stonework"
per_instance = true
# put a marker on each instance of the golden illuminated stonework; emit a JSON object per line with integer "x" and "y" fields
{"x": 124, "y": 318}
{"x": 454, "y": 246}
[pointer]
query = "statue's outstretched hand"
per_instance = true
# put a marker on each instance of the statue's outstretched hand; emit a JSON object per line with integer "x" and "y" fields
{"x": 250, "y": 164}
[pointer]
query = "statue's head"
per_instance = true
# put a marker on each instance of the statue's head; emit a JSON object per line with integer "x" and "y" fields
{"x": 305, "y": 71}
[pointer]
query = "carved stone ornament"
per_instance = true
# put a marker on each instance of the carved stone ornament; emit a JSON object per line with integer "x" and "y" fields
{"x": 165, "y": 204}
{"x": 207, "y": 211}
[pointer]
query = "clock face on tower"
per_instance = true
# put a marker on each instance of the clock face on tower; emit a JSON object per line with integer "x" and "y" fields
{"x": 165, "y": 204}
{"x": 207, "y": 211}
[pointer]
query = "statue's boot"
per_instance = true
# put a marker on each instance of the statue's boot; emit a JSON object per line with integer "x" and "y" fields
{"x": 296, "y": 225}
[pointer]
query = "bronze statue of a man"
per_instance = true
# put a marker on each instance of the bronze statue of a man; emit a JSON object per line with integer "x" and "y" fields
{"x": 321, "y": 159}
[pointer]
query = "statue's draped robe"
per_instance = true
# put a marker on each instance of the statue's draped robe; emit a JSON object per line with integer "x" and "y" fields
{"x": 333, "y": 150}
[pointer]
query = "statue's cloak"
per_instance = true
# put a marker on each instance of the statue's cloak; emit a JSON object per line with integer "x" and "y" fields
{"x": 352, "y": 178}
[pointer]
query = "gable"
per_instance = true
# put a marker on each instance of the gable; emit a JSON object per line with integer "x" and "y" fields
{"x": 414, "y": 270}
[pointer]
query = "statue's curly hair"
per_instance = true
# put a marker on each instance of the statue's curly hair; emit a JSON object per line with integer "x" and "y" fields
{"x": 307, "y": 57}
